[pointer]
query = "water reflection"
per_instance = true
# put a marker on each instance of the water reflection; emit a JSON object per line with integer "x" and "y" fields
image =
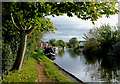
{"x": 60, "y": 53}
{"x": 108, "y": 67}
{"x": 90, "y": 68}
{"x": 90, "y": 59}
{"x": 72, "y": 53}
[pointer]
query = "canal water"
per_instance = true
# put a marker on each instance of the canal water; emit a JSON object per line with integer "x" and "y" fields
{"x": 89, "y": 69}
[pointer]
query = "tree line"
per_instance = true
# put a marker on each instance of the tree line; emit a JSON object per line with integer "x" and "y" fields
{"x": 72, "y": 43}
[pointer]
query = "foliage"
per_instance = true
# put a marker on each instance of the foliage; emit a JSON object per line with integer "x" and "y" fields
{"x": 9, "y": 53}
{"x": 116, "y": 49}
{"x": 83, "y": 10}
{"x": 27, "y": 13}
{"x": 52, "y": 42}
{"x": 10, "y": 43}
{"x": 61, "y": 43}
{"x": 7, "y": 59}
{"x": 92, "y": 47}
{"x": 73, "y": 42}
{"x": 100, "y": 40}
{"x": 28, "y": 73}
{"x": 78, "y": 49}
{"x": 32, "y": 42}
{"x": 50, "y": 69}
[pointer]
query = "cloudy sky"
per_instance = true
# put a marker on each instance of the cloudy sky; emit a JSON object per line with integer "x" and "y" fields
{"x": 69, "y": 27}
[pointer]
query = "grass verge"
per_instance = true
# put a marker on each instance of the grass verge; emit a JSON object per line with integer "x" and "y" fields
{"x": 28, "y": 73}
{"x": 50, "y": 69}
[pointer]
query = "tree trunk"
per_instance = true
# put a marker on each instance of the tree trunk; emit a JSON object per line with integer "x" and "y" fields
{"x": 21, "y": 51}
{"x": 63, "y": 47}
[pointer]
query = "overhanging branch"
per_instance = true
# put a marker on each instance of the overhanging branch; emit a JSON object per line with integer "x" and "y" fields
{"x": 14, "y": 22}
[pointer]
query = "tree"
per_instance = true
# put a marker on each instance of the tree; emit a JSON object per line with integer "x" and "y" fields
{"x": 24, "y": 17}
{"x": 52, "y": 42}
{"x": 61, "y": 43}
{"x": 73, "y": 42}
{"x": 24, "y": 25}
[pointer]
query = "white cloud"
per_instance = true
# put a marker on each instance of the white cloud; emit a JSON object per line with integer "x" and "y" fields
{"x": 65, "y": 20}
{"x": 69, "y": 27}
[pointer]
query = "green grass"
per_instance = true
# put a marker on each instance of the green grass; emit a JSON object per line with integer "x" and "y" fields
{"x": 28, "y": 73}
{"x": 50, "y": 69}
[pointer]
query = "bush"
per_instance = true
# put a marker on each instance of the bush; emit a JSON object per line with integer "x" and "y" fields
{"x": 7, "y": 58}
{"x": 100, "y": 41}
{"x": 91, "y": 47}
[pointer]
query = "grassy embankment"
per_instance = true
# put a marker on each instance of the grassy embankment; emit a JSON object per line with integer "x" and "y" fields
{"x": 29, "y": 71}
{"x": 50, "y": 69}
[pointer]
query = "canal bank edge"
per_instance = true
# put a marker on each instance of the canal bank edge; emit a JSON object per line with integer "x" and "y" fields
{"x": 48, "y": 63}
{"x": 67, "y": 74}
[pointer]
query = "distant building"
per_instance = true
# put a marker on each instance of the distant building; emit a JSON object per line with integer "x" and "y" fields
{"x": 43, "y": 44}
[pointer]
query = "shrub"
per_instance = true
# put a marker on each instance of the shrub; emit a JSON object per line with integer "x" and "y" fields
{"x": 100, "y": 40}
{"x": 91, "y": 47}
{"x": 7, "y": 58}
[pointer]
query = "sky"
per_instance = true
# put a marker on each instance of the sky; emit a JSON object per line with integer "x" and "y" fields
{"x": 69, "y": 27}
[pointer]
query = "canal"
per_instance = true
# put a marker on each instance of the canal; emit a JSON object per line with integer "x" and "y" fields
{"x": 89, "y": 69}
